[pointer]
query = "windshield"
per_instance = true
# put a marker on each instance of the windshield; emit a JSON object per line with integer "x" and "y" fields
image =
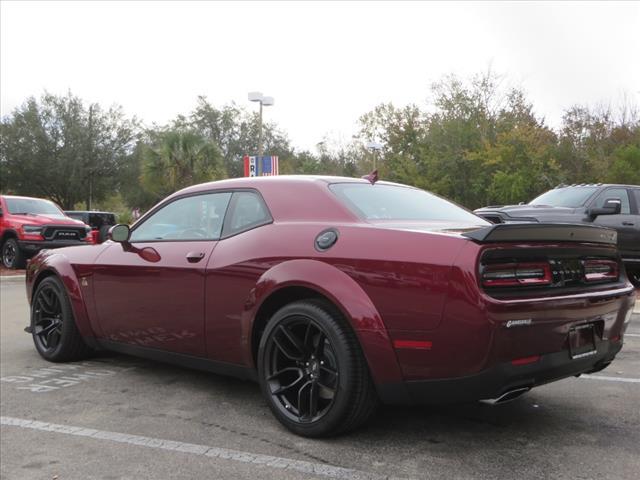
{"x": 565, "y": 197}
{"x": 395, "y": 202}
{"x": 33, "y": 206}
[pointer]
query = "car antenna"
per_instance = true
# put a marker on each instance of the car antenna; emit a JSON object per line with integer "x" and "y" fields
{"x": 372, "y": 177}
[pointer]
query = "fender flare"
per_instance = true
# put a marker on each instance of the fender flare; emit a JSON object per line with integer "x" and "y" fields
{"x": 8, "y": 233}
{"x": 57, "y": 264}
{"x": 345, "y": 294}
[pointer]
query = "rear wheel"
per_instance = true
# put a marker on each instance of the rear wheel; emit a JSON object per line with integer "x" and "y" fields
{"x": 312, "y": 371}
{"x": 53, "y": 327}
{"x": 12, "y": 256}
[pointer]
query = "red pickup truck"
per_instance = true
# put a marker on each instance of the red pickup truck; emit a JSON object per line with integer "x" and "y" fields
{"x": 28, "y": 225}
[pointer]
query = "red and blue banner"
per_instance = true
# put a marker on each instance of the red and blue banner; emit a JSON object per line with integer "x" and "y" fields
{"x": 260, "y": 166}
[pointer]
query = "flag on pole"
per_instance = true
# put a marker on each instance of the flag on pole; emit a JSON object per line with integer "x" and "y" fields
{"x": 250, "y": 165}
{"x": 269, "y": 166}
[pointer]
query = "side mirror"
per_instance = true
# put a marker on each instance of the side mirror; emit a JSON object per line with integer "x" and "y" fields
{"x": 612, "y": 206}
{"x": 119, "y": 233}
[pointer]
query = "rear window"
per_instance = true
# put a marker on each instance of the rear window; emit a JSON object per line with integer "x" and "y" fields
{"x": 395, "y": 202}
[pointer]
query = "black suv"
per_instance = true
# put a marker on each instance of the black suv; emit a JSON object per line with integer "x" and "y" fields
{"x": 100, "y": 222}
{"x": 613, "y": 206}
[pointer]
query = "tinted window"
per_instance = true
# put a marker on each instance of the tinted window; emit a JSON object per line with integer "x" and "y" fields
{"x": 247, "y": 211}
{"x": 636, "y": 191}
{"x": 33, "y": 206}
{"x": 571, "y": 197}
{"x": 83, "y": 217}
{"x": 620, "y": 193}
{"x": 198, "y": 217}
{"x": 393, "y": 202}
{"x": 98, "y": 220}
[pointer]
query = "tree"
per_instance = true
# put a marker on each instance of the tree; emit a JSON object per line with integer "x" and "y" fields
{"x": 625, "y": 168}
{"x": 179, "y": 158}
{"x": 591, "y": 139}
{"x": 63, "y": 150}
{"x": 235, "y": 131}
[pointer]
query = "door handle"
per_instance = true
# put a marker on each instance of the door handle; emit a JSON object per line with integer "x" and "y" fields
{"x": 194, "y": 257}
{"x": 628, "y": 224}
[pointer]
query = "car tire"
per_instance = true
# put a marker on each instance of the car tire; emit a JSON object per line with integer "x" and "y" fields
{"x": 312, "y": 372}
{"x": 53, "y": 327}
{"x": 12, "y": 256}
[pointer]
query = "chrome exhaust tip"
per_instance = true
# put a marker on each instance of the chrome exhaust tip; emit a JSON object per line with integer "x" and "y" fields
{"x": 507, "y": 396}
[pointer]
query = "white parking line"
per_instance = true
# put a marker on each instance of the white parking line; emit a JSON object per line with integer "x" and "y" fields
{"x": 632, "y": 334}
{"x": 256, "y": 459}
{"x": 610, "y": 379}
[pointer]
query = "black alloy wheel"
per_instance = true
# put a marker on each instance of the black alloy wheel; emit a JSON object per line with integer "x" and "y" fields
{"x": 53, "y": 327}
{"x": 312, "y": 371}
{"x": 302, "y": 371}
{"x": 47, "y": 319}
{"x": 12, "y": 256}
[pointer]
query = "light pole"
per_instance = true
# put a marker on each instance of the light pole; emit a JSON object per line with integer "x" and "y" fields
{"x": 266, "y": 102}
{"x": 374, "y": 147}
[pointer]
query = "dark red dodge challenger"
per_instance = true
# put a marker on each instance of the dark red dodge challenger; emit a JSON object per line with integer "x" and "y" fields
{"x": 336, "y": 293}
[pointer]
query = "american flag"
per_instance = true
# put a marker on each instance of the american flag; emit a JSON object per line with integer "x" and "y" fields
{"x": 269, "y": 166}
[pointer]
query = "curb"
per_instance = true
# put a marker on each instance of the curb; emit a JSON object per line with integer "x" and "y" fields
{"x": 12, "y": 279}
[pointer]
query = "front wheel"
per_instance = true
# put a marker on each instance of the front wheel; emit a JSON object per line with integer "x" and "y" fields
{"x": 12, "y": 256}
{"x": 312, "y": 371}
{"x": 53, "y": 327}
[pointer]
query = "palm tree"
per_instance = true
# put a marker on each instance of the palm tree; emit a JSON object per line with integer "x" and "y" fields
{"x": 179, "y": 158}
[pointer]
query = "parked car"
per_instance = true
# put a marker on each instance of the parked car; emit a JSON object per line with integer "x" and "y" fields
{"x": 336, "y": 293}
{"x": 100, "y": 222}
{"x": 607, "y": 205}
{"x": 27, "y": 225}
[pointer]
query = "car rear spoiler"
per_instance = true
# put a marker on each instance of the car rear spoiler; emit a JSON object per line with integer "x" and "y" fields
{"x": 543, "y": 232}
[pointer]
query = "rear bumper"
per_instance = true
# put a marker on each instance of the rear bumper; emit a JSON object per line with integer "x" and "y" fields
{"x": 497, "y": 380}
{"x": 34, "y": 246}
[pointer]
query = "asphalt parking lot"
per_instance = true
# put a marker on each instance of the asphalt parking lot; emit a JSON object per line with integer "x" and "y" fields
{"x": 119, "y": 417}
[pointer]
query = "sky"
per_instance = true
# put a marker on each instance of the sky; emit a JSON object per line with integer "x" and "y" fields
{"x": 325, "y": 63}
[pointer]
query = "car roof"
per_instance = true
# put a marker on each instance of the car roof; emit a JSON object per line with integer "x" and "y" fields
{"x": 273, "y": 181}
{"x": 27, "y": 198}
{"x": 601, "y": 185}
{"x": 289, "y": 197}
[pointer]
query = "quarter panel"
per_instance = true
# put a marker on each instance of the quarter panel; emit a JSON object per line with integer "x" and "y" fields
{"x": 381, "y": 278}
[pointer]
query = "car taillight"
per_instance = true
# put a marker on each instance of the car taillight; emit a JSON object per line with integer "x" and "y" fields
{"x": 516, "y": 274}
{"x": 599, "y": 270}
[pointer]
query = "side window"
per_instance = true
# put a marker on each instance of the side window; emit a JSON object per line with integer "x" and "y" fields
{"x": 620, "y": 193}
{"x": 198, "y": 217}
{"x": 246, "y": 212}
{"x": 636, "y": 192}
